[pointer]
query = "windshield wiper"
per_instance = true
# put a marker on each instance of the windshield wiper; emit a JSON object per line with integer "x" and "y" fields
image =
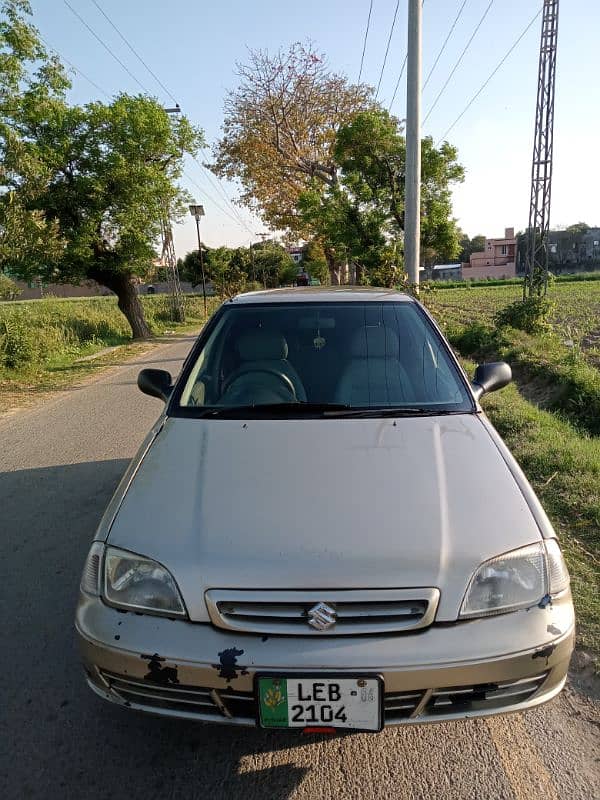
{"x": 387, "y": 411}
{"x": 297, "y": 408}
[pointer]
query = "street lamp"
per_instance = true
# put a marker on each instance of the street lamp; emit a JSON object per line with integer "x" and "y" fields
{"x": 197, "y": 211}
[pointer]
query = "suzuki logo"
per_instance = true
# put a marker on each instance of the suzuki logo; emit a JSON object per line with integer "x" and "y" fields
{"x": 322, "y": 617}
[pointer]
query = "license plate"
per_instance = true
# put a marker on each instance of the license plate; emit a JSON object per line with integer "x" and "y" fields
{"x": 301, "y": 702}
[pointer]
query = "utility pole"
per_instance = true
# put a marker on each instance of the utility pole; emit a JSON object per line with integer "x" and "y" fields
{"x": 412, "y": 215}
{"x": 197, "y": 211}
{"x": 263, "y": 236}
{"x": 168, "y": 257}
{"x": 536, "y": 263}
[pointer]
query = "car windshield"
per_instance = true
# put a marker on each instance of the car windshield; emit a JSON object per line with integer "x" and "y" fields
{"x": 333, "y": 359}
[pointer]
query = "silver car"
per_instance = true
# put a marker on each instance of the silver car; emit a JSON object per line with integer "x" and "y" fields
{"x": 323, "y": 530}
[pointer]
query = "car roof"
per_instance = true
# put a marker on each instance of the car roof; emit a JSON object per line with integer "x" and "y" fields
{"x": 323, "y": 294}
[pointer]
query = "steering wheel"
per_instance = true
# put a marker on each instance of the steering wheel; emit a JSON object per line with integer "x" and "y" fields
{"x": 273, "y": 373}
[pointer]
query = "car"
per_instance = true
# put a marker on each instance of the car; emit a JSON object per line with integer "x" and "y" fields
{"x": 324, "y": 531}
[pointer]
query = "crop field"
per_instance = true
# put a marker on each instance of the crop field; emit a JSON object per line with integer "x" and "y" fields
{"x": 575, "y": 315}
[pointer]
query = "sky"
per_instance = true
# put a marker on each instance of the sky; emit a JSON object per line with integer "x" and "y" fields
{"x": 193, "y": 47}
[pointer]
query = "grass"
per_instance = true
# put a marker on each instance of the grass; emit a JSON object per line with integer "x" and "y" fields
{"x": 563, "y": 467}
{"x": 575, "y": 316}
{"x": 558, "y": 368}
{"x": 42, "y": 341}
{"x": 570, "y": 278}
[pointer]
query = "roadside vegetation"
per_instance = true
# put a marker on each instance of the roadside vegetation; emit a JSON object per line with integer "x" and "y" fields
{"x": 42, "y": 342}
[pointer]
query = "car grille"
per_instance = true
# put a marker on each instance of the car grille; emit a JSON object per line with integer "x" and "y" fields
{"x": 482, "y": 696}
{"x": 355, "y": 612}
{"x": 240, "y": 707}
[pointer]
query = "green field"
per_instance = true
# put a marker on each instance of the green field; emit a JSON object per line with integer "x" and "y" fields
{"x": 42, "y": 341}
{"x": 575, "y": 316}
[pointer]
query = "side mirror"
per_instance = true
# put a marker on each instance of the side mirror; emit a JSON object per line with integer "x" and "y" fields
{"x": 156, "y": 383}
{"x": 490, "y": 377}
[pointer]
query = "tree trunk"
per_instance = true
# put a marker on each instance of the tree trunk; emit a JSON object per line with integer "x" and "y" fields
{"x": 128, "y": 300}
{"x": 334, "y": 272}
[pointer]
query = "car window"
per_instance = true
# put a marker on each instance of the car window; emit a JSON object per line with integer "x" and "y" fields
{"x": 356, "y": 355}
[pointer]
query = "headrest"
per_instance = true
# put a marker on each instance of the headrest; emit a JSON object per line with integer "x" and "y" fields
{"x": 375, "y": 342}
{"x": 262, "y": 346}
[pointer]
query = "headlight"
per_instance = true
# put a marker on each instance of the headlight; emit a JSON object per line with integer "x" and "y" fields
{"x": 515, "y": 580}
{"x": 141, "y": 584}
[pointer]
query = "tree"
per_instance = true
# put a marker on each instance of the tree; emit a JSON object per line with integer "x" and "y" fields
{"x": 468, "y": 246}
{"x": 363, "y": 214}
{"x": 273, "y": 264}
{"x": 8, "y": 288}
{"x": 94, "y": 180}
{"x": 190, "y": 268}
{"x": 314, "y": 261}
{"x": 578, "y": 228}
{"x": 280, "y": 129}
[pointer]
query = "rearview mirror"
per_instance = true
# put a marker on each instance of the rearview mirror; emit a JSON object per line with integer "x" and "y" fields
{"x": 490, "y": 377}
{"x": 156, "y": 383}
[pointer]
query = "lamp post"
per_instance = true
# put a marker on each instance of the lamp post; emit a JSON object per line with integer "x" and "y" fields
{"x": 197, "y": 211}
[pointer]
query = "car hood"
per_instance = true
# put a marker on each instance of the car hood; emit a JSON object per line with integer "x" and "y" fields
{"x": 323, "y": 504}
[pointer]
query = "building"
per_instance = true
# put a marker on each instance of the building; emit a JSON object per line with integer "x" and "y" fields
{"x": 497, "y": 260}
{"x": 446, "y": 272}
{"x": 297, "y": 253}
{"x": 573, "y": 249}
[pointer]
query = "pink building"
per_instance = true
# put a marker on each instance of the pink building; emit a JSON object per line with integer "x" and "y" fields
{"x": 496, "y": 261}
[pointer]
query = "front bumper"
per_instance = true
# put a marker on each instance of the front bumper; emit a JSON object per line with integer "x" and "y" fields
{"x": 447, "y": 671}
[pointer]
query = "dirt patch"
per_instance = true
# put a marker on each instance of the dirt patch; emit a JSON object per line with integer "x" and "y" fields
{"x": 584, "y": 675}
{"x": 537, "y": 389}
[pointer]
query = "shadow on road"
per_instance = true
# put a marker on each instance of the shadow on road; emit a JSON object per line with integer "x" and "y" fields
{"x": 61, "y": 740}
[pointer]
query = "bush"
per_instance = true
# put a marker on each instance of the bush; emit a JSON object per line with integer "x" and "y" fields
{"x": 8, "y": 288}
{"x": 474, "y": 340}
{"x": 529, "y": 315}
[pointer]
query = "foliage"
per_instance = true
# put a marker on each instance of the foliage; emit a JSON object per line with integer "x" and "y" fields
{"x": 274, "y": 266}
{"x": 94, "y": 179}
{"x": 280, "y": 128}
{"x": 578, "y": 228}
{"x": 226, "y": 272}
{"x": 468, "y": 246}
{"x": 362, "y": 214}
{"x": 315, "y": 261}
{"x": 529, "y": 315}
{"x": 8, "y": 288}
{"x": 36, "y": 334}
{"x": 559, "y": 367}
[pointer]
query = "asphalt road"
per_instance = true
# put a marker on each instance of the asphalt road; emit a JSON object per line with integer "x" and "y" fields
{"x": 59, "y": 463}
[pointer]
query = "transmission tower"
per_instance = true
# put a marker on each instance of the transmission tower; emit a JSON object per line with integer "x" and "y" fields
{"x": 536, "y": 265}
{"x": 169, "y": 262}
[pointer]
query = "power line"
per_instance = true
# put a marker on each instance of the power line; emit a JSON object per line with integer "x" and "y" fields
{"x": 362, "y": 59}
{"x": 134, "y": 51}
{"x": 398, "y": 82}
{"x": 220, "y": 189}
{"x": 212, "y": 199}
{"x": 460, "y": 58}
{"x": 387, "y": 49}
{"x": 240, "y": 220}
{"x": 435, "y": 63}
{"x": 105, "y": 46}
{"x": 485, "y": 83}
{"x": 70, "y": 63}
